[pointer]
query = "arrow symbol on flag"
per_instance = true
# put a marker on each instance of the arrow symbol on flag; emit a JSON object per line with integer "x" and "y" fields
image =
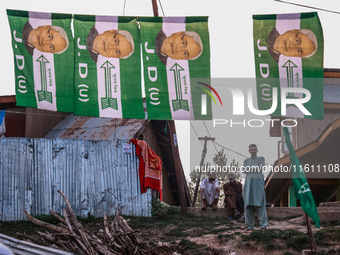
{"x": 108, "y": 101}
{"x": 43, "y": 94}
{"x": 179, "y": 102}
{"x": 289, "y": 65}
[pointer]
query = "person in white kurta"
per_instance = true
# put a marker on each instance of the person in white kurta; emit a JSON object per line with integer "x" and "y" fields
{"x": 254, "y": 195}
{"x": 210, "y": 191}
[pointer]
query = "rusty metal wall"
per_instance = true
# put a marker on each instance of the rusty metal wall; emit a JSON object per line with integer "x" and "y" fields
{"x": 96, "y": 177}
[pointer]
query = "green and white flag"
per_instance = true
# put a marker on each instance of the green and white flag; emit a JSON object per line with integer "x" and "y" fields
{"x": 176, "y": 58}
{"x": 300, "y": 183}
{"x": 289, "y": 57}
{"x": 107, "y": 67}
{"x": 43, "y": 57}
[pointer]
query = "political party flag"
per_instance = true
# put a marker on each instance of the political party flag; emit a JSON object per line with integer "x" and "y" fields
{"x": 300, "y": 183}
{"x": 176, "y": 60}
{"x": 107, "y": 67}
{"x": 289, "y": 58}
{"x": 43, "y": 58}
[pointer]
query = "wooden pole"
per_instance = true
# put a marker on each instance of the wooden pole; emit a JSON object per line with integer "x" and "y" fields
{"x": 155, "y": 8}
{"x": 311, "y": 237}
{"x": 204, "y": 152}
{"x": 178, "y": 167}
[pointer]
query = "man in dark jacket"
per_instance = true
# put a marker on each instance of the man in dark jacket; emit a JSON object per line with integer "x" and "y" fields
{"x": 233, "y": 197}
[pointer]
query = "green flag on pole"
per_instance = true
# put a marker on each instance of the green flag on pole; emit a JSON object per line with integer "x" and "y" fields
{"x": 288, "y": 52}
{"x": 176, "y": 60}
{"x": 107, "y": 67}
{"x": 43, "y": 57}
{"x": 300, "y": 183}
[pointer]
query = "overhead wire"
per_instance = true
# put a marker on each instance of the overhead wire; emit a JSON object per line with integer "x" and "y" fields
{"x": 124, "y": 7}
{"x": 160, "y": 3}
{"x": 214, "y": 142}
{"x": 307, "y": 6}
{"x": 230, "y": 150}
{"x": 210, "y": 135}
{"x": 195, "y": 131}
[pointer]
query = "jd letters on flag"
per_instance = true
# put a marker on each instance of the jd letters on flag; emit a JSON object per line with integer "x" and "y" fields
{"x": 107, "y": 67}
{"x": 288, "y": 52}
{"x": 176, "y": 57}
{"x": 98, "y": 72}
{"x": 44, "y": 62}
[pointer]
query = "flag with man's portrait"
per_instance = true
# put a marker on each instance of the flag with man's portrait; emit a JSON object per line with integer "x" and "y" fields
{"x": 107, "y": 67}
{"x": 176, "y": 61}
{"x": 43, "y": 58}
{"x": 288, "y": 52}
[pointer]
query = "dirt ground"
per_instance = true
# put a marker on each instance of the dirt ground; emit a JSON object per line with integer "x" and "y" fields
{"x": 204, "y": 235}
{"x": 216, "y": 236}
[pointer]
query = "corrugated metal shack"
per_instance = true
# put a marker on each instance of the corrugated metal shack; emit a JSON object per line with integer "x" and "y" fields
{"x": 102, "y": 129}
{"x": 96, "y": 177}
{"x": 83, "y": 157}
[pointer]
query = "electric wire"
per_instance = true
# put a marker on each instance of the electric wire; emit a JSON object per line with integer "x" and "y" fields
{"x": 195, "y": 132}
{"x": 240, "y": 154}
{"x": 307, "y": 6}
{"x": 160, "y": 3}
{"x": 214, "y": 142}
{"x": 124, "y": 7}
{"x": 210, "y": 135}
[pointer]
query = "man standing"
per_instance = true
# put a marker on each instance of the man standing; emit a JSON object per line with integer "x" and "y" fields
{"x": 254, "y": 190}
{"x": 210, "y": 191}
{"x": 233, "y": 198}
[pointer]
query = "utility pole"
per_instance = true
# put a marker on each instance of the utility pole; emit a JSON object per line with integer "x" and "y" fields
{"x": 178, "y": 165}
{"x": 178, "y": 168}
{"x": 204, "y": 152}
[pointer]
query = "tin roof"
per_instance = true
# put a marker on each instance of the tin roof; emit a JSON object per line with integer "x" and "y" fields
{"x": 97, "y": 129}
{"x": 331, "y": 93}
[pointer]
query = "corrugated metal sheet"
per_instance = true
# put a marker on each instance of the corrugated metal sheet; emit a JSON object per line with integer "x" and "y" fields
{"x": 96, "y": 129}
{"x": 96, "y": 177}
{"x": 331, "y": 93}
{"x": 19, "y": 247}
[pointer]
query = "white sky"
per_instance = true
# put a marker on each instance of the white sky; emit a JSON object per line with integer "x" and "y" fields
{"x": 231, "y": 43}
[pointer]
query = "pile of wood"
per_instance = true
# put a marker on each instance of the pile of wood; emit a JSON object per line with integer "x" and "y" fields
{"x": 70, "y": 235}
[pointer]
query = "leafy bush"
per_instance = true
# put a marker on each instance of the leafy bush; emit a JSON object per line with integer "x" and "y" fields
{"x": 161, "y": 209}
